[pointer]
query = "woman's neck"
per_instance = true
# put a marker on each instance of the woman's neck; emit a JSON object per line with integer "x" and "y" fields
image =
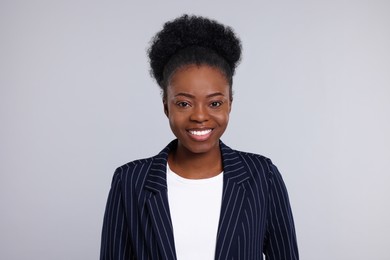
{"x": 195, "y": 165}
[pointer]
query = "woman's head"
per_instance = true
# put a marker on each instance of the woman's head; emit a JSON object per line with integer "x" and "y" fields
{"x": 193, "y": 60}
{"x": 193, "y": 40}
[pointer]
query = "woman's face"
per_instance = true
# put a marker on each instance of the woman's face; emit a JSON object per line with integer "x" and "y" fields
{"x": 197, "y": 105}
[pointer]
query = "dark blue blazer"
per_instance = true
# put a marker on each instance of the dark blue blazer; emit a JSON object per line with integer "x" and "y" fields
{"x": 255, "y": 216}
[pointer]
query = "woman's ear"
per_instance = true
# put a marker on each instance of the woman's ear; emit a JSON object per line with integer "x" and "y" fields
{"x": 165, "y": 107}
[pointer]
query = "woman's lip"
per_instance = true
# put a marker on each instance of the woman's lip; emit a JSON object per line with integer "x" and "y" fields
{"x": 200, "y": 134}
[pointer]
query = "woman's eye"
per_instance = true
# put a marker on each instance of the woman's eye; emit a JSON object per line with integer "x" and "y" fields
{"x": 183, "y": 104}
{"x": 215, "y": 104}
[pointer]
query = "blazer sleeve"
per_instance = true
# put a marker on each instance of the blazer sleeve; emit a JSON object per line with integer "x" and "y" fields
{"x": 280, "y": 242}
{"x": 115, "y": 243}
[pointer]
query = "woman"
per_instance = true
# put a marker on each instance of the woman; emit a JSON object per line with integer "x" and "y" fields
{"x": 198, "y": 198}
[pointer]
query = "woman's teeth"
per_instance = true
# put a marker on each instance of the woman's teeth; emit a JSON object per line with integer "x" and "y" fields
{"x": 203, "y": 132}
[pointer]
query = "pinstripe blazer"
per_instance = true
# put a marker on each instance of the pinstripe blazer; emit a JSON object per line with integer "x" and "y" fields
{"x": 255, "y": 214}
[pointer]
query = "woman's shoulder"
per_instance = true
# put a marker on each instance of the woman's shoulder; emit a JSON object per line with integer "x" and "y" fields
{"x": 141, "y": 167}
{"x": 135, "y": 166}
{"x": 256, "y": 163}
{"x": 250, "y": 158}
{"x": 256, "y": 160}
{"x": 135, "y": 163}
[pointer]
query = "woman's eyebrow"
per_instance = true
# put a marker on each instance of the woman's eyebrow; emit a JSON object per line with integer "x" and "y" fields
{"x": 192, "y": 96}
{"x": 215, "y": 94}
{"x": 185, "y": 95}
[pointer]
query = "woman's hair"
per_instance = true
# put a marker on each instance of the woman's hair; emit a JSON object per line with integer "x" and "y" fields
{"x": 195, "y": 40}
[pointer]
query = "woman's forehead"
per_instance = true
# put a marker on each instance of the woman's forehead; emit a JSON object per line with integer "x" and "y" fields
{"x": 198, "y": 80}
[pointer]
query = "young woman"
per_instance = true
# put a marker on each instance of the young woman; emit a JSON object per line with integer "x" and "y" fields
{"x": 198, "y": 198}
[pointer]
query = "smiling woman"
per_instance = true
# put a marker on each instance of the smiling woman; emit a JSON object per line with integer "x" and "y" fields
{"x": 198, "y": 198}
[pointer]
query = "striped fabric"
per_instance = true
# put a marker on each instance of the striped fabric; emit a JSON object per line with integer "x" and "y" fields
{"x": 255, "y": 218}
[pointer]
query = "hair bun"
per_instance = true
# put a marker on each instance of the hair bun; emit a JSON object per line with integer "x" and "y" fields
{"x": 187, "y": 31}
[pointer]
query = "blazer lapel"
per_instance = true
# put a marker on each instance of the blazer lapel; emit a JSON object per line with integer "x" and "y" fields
{"x": 157, "y": 205}
{"x": 235, "y": 175}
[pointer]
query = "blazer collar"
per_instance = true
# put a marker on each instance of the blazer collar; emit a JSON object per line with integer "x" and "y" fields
{"x": 233, "y": 167}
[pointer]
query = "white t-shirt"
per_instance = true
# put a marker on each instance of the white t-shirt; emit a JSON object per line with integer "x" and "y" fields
{"x": 195, "y": 207}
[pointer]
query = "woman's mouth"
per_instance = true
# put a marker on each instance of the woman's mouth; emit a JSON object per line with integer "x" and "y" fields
{"x": 200, "y": 135}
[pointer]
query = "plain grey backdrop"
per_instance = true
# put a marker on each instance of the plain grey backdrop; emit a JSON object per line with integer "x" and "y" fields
{"x": 312, "y": 93}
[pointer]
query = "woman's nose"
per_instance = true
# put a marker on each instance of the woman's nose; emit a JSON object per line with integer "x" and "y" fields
{"x": 199, "y": 114}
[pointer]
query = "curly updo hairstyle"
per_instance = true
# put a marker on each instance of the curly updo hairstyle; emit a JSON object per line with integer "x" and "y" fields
{"x": 195, "y": 40}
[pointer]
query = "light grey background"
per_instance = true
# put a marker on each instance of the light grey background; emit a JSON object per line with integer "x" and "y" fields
{"x": 312, "y": 93}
